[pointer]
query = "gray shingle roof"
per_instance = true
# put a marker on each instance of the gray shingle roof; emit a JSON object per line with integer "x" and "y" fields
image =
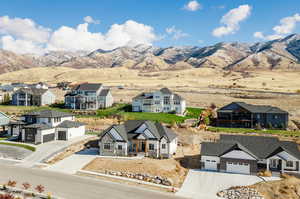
{"x": 89, "y": 86}
{"x": 70, "y": 124}
{"x": 104, "y": 92}
{"x": 49, "y": 113}
{"x": 166, "y": 91}
{"x": 127, "y": 130}
{"x": 33, "y": 91}
{"x": 258, "y": 108}
{"x": 259, "y": 147}
{"x": 39, "y": 126}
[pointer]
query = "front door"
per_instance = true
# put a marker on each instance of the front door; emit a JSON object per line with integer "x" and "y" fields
{"x": 142, "y": 146}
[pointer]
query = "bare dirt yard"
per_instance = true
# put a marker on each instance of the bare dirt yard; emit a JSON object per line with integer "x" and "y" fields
{"x": 167, "y": 168}
{"x": 287, "y": 188}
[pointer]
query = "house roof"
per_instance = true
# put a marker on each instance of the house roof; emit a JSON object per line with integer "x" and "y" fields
{"x": 259, "y": 147}
{"x": 128, "y": 128}
{"x": 70, "y": 124}
{"x": 33, "y": 91}
{"x": 144, "y": 96}
{"x": 256, "y": 108}
{"x": 89, "y": 86}
{"x": 39, "y": 126}
{"x": 104, "y": 92}
{"x": 166, "y": 91}
{"x": 49, "y": 113}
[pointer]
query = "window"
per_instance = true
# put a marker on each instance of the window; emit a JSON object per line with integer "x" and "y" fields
{"x": 258, "y": 116}
{"x": 120, "y": 147}
{"x": 157, "y": 102}
{"x": 163, "y": 146}
{"x": 157, "y": 97}
{"x": 289, "y": 164}
{"x": 106, "y": 146}
{"x": 49, "y": 120}
{"x": 167, "y": 100}
{"x": 275, "y": 116}
{"x": 151, "y": 147}
{"x": 273, "y": 163}
{"x": 207, "y": 160}
{"x": 177, "y": 102}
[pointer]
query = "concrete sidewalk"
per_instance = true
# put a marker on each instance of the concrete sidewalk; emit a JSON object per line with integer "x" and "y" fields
{"x": 72, "y": 164}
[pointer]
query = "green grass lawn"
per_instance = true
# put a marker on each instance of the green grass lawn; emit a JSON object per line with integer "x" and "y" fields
{"x": 245, "y": 131}
{"x": 25, "y": 146}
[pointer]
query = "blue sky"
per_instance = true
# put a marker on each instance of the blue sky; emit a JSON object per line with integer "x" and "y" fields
{"x": 193, "y": 27}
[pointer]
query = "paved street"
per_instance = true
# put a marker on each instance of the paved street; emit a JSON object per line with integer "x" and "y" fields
{"x": 76, "y": 187}
{"x": 13, "y": 152}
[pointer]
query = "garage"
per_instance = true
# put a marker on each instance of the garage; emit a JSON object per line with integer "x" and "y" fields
{"x": 211, "y": 165}
{"x": 49, "y": 137}
{"x": 238, "y": 167}
{"x": 62, "y": 135}
{"x": 30, "y": 135}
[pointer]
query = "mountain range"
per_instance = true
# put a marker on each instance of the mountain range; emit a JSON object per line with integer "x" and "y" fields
{"x": 281, "y": 54}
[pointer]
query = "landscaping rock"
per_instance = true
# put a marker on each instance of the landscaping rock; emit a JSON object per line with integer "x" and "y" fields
{"x": 240, "y": 193}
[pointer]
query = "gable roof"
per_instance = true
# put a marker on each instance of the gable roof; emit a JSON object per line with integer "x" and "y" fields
{"x": 49, "y": 113}
{"x": 104, "y": 92}
{"x": 70, "y": 124}
{"x": 259, "y": 147}
{"x": 256, "y": 108}
{"x": 128, "y": 128}
{"x": 89, "y": 86}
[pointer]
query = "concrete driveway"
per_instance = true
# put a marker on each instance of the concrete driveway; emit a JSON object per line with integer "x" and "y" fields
{"x": 204, "y": 185}
{"x": 46, "y": 150}
{"x": 13, "y": 152}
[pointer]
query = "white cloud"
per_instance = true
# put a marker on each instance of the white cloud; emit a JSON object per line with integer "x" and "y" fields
{"x": 192, "y": 6}
{"x": 24, "y": 36}
{"x": 231, "y": 20}
{"x": 23, "y": 29}
{"x": 287, "y": 26}
{"x": 176, "y": 33}
{"x": 89, "y": 19}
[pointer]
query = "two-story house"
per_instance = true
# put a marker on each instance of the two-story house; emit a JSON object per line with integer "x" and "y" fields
{"x": 47, "y": 125}
{"x": 242, "y": 115}
{"x": 138, "y": 137}
{"x": 32, "y": 97}
{"x": 163, "y": 100}
{"x": 89, "y": 96}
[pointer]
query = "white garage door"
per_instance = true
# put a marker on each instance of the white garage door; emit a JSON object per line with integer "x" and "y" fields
{"x": 243, "y": 168}
{"x": 210, "y": 165}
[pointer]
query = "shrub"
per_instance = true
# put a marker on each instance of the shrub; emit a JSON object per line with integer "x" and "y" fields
{"x": 11, "y": 183}
{"x": 40, "y": 188}
{"x": 26, "y": 185}
{"x": 298, "y": 91}
{"x": 7, "y": 196}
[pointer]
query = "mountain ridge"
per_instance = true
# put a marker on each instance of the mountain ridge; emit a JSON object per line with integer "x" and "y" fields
{"x": 280, "y": 54}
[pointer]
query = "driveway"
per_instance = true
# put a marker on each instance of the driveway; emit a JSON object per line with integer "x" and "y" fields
{"x": 204, "y": 184}
{"x": 46, "y": 150}
{"x": 13, "y": 152}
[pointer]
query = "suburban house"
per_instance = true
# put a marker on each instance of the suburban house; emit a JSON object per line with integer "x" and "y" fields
{"x": 138, "y": 137}
{"x": 32, "y": 97}
{"x": 89, "y": 96}
{"x": 250, "y": 154}
{"x": 4, "y": 121}
{"x": 242, "y": 115}
{"x": 162, "y": 100}
{"x": 47, "y": 125}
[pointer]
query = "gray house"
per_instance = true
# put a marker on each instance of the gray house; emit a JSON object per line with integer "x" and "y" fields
{"x": 250, "y": 154}
{"x": 32, "y": 97}
{"x": 4, "y": 120}
{"x": 242, "y": 115}
{"x": 138, "y": 137}
{"x": 89, "y": 96}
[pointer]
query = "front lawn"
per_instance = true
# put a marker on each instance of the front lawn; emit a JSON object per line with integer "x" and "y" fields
{"x": 245, "y": 131}
{"x": 25, "y": 146}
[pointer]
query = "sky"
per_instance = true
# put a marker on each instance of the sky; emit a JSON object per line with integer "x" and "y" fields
{"x": 40, "y": 26}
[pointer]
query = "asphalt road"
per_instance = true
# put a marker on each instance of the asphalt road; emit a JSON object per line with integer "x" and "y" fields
{"x": 76, "y": 187}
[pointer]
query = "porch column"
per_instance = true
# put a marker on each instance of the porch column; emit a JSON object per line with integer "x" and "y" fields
{"x": 282, "y": 166}
{"x": 299, "y": 166}
{"x": 268, "y": 164}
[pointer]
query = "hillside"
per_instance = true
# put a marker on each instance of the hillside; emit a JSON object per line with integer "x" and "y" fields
{"x": 283, "y": 55}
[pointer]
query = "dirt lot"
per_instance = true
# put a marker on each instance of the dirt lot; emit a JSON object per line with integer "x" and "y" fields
{"x": 288, "y": 188}
{"x": 168, "y": 168}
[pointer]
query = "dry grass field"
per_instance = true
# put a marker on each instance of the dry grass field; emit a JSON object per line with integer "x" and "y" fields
{"x": 200, "y": 87}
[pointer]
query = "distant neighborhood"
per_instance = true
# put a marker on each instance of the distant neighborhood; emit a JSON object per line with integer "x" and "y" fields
{"x": 89, "y": 128}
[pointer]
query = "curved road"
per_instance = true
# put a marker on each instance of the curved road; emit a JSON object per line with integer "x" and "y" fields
{"x": 76, "y": 187}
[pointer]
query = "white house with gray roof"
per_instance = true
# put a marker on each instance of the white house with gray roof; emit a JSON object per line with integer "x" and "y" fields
{"x": 32, "y": 97}
{"x": 47, "y": 125}
{"x": 138, "y": 137}
{"x": 250, "y": 154}
{"x": 89, "y": 96}
{"x": 163, "y": 100}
